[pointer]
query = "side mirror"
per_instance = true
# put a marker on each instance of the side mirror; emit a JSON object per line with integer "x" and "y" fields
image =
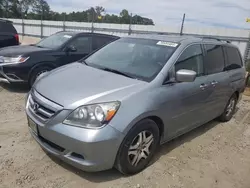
{"x": 71, "y": 48}
{"x": 184, "y": 75}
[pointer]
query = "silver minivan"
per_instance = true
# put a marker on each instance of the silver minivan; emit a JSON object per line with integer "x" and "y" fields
{"x": 115, "y": 107}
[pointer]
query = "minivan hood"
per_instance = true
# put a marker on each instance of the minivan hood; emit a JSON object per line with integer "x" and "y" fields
{"x": 20, "y": 50}
{"x": 77, "y": 84}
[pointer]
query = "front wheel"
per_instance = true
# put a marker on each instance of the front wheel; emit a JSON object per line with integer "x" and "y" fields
{"x": 138, "y": 147}
{"x": 36, "y": 73}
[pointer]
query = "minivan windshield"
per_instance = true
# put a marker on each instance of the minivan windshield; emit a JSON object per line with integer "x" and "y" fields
{"x": 54, "y": 41}
{"x": 137, "y": 58}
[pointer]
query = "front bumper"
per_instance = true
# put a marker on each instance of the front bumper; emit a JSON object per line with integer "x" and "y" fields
{"x": 9, "y": 77}
{"x": 86, "y": 149}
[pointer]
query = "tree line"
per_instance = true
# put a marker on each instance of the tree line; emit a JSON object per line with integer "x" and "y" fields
{"x": 40, "y": 9}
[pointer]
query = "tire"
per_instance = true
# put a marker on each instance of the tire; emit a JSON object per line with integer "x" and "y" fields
{"x": 36, "y": 72}
{"x": 229, "y": 109}
{"x": 128, "y": 164}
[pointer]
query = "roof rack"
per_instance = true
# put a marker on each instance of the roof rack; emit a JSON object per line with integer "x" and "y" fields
{"x": 218, "y": 39}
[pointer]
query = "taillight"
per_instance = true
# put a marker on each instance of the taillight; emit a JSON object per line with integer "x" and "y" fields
{"x": 17, "y": 38}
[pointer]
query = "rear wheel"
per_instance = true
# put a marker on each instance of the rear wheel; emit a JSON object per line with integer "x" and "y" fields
{"x": 37, "y": 72}
{"x": 138, "y": 147}
{"x": 229, "y": 110}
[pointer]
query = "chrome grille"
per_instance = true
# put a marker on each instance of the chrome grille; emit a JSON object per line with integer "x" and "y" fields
{"x": 42, "y": 108}
{"x": 39, "y": 110}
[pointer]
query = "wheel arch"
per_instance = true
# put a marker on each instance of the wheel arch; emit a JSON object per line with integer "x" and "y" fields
{"x": 47, "y": 63}
{"x": 237, "y": 93}
{"x": 158, "y": 121}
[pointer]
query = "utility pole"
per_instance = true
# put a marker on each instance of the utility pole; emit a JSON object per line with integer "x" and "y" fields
{"x": 130, "y": 24}
{"x": 41, "y": 21}
{"x": 92, "y": 25}
{"x": 21, "y": 10}
{"x": 64, "y": 20}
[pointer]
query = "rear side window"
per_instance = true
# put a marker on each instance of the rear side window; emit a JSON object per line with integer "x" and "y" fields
{"x": 100, "y": 41}
{"x": 214, "y": 59}
{"x": 234, "y": 60}
{"x": 7, "y": 27}
{"x": 191, "y": 59}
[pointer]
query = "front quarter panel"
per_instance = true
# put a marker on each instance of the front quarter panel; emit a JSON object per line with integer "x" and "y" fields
{"x": 136, "y": 107}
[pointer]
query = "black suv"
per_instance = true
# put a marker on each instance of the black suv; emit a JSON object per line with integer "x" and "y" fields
{"x": 8, "y": 34}
{"x": 23, "y": 64}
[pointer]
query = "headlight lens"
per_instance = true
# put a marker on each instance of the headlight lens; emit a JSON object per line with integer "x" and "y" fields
{"x": 92, "y": 116}
{"x": 14, "y": 60}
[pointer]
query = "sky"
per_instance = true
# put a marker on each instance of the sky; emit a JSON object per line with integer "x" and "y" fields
{"x": 224, "y": 13}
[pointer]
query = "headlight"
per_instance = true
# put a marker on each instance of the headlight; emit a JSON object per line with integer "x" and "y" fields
{"x": 92, "y": 116}
{"x": 14, "y": 60}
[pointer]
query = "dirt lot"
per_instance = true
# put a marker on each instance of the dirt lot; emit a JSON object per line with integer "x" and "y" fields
{"x": 214, "y": 155}
{"x": 28, "y": 40}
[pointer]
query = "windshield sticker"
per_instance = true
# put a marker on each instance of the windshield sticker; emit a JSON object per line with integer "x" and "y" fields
{"x": 163, "y": 43}
{"x": 67, "y": 36}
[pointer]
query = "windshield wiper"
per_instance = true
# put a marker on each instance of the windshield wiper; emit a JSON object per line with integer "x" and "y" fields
{"x": 83, "y": 61}
{"x": 118, "y": 72}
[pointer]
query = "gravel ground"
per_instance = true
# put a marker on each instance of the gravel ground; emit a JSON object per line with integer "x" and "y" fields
{"x": 214, "y": 155}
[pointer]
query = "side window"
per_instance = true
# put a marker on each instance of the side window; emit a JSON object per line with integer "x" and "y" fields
{"x": 234, "y": 60}
{"x": 82, "y": 44}
{"x": 191, "y": 59}
{"x": 99, "y": 41}
{"x": 214, "y": 59}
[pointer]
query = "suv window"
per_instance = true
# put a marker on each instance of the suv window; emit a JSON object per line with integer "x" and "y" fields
{"x": 82, "y": 44}
{"x": 191, "y": 59}
{"x": 214, "y": 59}
{"x": 7, "y": 27}
{"x": 234, "y": 60}
{"x": 100, "y": 41}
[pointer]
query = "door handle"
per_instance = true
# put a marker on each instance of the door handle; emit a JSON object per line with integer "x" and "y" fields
{"x": 213, "y": 83}
{"x": 203, "y": 86}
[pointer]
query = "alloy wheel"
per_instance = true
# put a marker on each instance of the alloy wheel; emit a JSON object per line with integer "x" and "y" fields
{"x": 140, "y": 148}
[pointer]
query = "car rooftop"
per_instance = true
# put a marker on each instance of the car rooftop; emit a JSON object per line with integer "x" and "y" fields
{"x": 82, "y": 32}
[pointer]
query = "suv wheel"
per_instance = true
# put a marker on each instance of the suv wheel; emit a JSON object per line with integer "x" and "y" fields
{"x": 37, "y": 72}
{"x": 138, "y": 147}
{"x": 229, "y": 110}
